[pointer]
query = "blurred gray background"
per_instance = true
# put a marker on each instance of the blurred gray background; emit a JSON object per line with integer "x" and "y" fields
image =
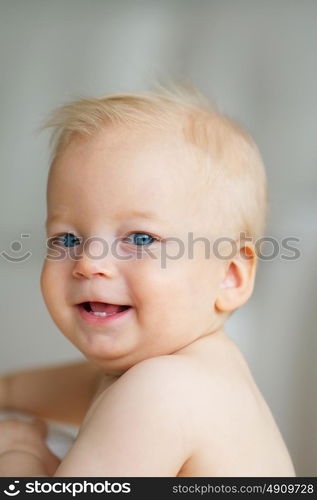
{"x": 257, "y": 60}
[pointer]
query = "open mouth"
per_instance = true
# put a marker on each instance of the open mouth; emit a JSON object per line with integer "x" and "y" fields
{"x": 103, "y": 310}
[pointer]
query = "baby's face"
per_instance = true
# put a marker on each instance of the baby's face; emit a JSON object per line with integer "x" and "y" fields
{"x": 114, "y": 201}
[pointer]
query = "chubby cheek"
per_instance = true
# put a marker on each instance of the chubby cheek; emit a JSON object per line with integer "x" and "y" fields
{"x": 205, "y": 276}
{"x": 169, "y": 300}
{"x": 53, "y": 286}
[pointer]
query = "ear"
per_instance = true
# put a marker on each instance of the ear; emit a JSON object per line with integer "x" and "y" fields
{"x": 237, "y": 285}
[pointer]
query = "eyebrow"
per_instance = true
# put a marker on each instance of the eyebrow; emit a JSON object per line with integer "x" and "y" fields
{"x": 52, "y": 218}
{"x": 137, "y": 214}
{"x": 134, "y": 214}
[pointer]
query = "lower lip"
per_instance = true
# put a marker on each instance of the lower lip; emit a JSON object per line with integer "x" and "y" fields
{"x": 100, "y": 320}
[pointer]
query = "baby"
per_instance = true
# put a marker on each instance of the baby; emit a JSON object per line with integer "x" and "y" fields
{"x": 155, "y": 202}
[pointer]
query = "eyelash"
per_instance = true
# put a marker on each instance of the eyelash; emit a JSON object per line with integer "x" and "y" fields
{"x": 146, "y": 234}
{"x": 60, "y": 236}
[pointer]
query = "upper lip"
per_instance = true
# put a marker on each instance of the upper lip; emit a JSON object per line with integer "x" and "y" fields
{"x": 99, "y": 299}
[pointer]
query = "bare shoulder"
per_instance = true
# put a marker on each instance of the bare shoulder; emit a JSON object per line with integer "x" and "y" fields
{"x": 152, "y": 385}
{"x": 137, "y": 425}
{"x": 161, "y": 375}
{"x": 172, "y": 369}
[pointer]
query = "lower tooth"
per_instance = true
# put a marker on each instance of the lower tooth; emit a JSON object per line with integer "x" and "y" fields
{"x": 102, "y": 314}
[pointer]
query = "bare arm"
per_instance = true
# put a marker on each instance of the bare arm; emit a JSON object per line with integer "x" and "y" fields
{"x": 57, "y": 392}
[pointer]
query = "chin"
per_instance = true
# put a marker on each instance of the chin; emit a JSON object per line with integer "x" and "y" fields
{"x": 106, "y": 350}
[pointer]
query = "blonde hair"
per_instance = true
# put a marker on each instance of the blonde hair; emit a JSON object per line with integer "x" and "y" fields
{"x": 235, "y": 170}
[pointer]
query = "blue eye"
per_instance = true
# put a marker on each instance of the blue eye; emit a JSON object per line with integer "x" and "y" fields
{"x": 68, "y": 240}
{"x": 141, "y": 239}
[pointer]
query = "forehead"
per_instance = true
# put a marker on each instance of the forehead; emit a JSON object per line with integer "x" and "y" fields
{"x": 121, "y": 167}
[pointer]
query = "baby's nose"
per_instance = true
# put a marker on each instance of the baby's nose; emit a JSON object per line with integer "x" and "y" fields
{"x": 95, "y": 260}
